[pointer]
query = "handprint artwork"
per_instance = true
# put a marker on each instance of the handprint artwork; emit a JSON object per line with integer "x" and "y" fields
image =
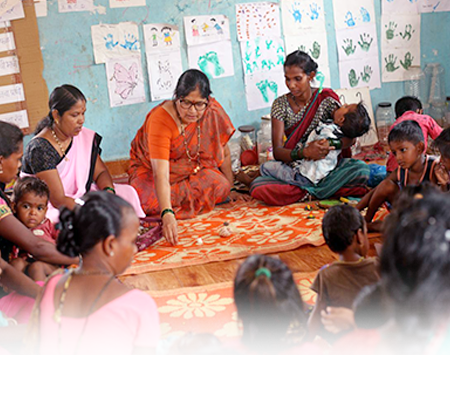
{"x": 391, "y": 60}
{"x": 365, "y": 43}
{"x": 390, "y": 30}
{"x": 348, "y": 47}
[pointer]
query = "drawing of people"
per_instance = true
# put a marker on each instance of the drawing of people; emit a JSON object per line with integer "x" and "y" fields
{"x": 195, "y": 32}
{"x": 154, "y": 36}
{"x": 205, "y": 27}
{"x": 217, "y": 26}
{"x": 167, "y": 33}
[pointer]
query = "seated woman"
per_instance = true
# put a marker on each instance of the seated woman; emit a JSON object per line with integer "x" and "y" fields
{"x": 294, "y": 116}
{"x": 88, "y": 311}
{"x": 66, "y": 155}
{"x": 179, "y": 160}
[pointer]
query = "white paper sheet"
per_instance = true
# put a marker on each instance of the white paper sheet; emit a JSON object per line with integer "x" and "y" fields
{"x": 164, "y": 70}
{"x": 206, "y": 29}
{"x": 358, "y": 43}
{"x": 298, "y": 15}
{"x": 262, "y": 54}
{"x": 7, "y": 42}
{"x": 434, "y": 6}
{"x": 262, "y": 89}
{"x": 12, "y": 93}
{"x": 126, "y": 3}
{"x": 125, "y": 81}
{"x": 9, "y": 65}
{"x": 18, "y": 118}
{"x": 214, "y": 59}
{"x": 41, "y": 8}
{"x": 313, "y": 42}
{"x": 15, "y": 13}
{"x": 115, "y": 41}
{"x": 360, "y": 73}
{"x": 5, "y": 24}
{"x": 161, "y": 38}
{"x": 395, "y": 64}
{"x": 66, "y": 6}
{"x": 353, "y": 13}
{"x": 257, "y": 20}
{"x": 6, "y": 5}
{"x": 400, "y": 31}
{"x": 393, "y": 7}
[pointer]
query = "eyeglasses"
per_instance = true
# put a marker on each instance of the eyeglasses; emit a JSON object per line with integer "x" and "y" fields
{"x": 186, "y": 105}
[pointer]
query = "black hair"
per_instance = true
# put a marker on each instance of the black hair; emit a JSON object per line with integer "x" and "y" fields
{"x": 443, "y": 143}
{"x": 339, "y": 226}
{"x": 191, "y": 80}
{"x": 62, "y": 99}
{"x": 415, "y": 269}
{"x": 29, "y": 184}
{"x": 11, "y": 137}
{"x": 268, "y": 305}
{"x": 408, "y": 130}
{"x": 357, "y": 122}
{"x": 83, "y": 227}
{"x": 370, "y": 307}
{"x": 302, "y": 60}
{"x": 407, "y": 103}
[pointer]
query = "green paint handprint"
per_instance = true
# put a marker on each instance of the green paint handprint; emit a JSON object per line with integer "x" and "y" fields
{"x": 367, "y": 74}
{"x": 364, "y": 43}
{"x": 210, "y": 65}
{"x": 408, "y": 61}
{"x": 408, "y": 33}
{"x": 390, "y": 30}
{"x": 352, "y": 78}
{"x": 348, "y": 46}
{"x": 391, "y": 60}
{"x": 315, "y": 51}
{"x": 302, "y": 48}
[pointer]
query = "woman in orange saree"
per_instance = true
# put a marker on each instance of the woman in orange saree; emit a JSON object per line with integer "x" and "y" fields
{"x": 179, "y": 160}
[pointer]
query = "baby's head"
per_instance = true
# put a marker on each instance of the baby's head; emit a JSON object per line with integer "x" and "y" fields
{"x": 344, "y": 228}
{"x": 406, "y": 143}
{"x": 353, "y": 119}
{"x": 408, "y": 103}
{"x": 443, "y": 144}
{"x": 30, "y": 198}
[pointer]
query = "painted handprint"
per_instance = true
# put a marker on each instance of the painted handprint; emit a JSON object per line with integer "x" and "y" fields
{"x": 364, "y": 43}
{"x": 267, "y": 64}
{"x": 295, "y": 11}
{"x": 408, "y": 61}
{"x": 302, "y": 48}
{"x": 349, "y": 19}
{"x": 314, "y": 11}
{"x": 366, "y": 74}
{"x": 269, "y": 43}
{"x": 348, "y": 47}
{"x": 408, "y": 32}
{"x": 280, "y": 55}
{"x": 391, "y": 60}
{"x": 390, "y": 32}
{"x": 210, "y": 64}
{"x": 353, "y": 78}
{"x": 110, "y": 44}
{"x": 264, "y": 86}
{"x": 130, "y": 42}
{"x": 365, "y": 15}
{"x": 315, "y": 51}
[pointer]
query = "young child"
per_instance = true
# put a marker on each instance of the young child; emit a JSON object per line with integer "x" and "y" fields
{"x": 339, "y": 283}
{"x": 442, "y": 143}
{"x": 410, "y": 108}
{"x": 30, "y": 201}
{"x": 407, "y": 145}
{"x": 269, "y": 305}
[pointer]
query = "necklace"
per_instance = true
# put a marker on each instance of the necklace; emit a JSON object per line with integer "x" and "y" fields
{"x": 298, "y": 105}
{"x": 63, "y": 150}
{"x": 58, "y": 313}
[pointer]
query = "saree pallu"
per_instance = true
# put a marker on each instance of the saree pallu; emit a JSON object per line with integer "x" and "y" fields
{"x": 191, "y": 193}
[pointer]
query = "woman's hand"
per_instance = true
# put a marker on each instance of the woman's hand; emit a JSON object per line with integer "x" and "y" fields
{"x": 317, "y": 150}
{"x": 170, "y": 228}
{"x": 236, "y": 196}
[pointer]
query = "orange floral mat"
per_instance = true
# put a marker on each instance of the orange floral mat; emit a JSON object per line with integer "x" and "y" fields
{"x": 256, "y": 228}
{"x": 210, "y": 309}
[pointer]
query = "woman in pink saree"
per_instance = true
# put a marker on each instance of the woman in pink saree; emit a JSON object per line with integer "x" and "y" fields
{"x": 66, "y": 155}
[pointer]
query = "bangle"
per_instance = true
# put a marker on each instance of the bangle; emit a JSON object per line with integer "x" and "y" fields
{"x": 111, "y": 189}
{"x": 294, "y": 155}
{"x": 165, "y": 211}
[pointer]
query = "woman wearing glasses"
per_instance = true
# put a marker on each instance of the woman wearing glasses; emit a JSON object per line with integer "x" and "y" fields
{"x": 179, "y": 160}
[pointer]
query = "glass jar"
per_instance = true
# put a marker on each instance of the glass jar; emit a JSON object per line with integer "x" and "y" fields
{"x": 264, "y": 137}
{"x": 435, "y": 84}
{"x": 384, "y": 117}
{"x": 235, "y": 151}
{"x": 248, "y": 140}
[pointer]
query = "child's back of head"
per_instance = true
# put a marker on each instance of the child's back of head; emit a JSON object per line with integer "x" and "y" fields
{"x": 443, "y": 143}
{"x": 407, "y": 103}
{"x": 356, "y": 122}
{"x": 407, "y": 130}
{"x": 268, "y": 303}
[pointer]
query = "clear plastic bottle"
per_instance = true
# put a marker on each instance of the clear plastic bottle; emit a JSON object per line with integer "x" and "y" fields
{"x": 384, "y": 120}
{"x": 414, "y": 86}
{"x": 235, "y": 151}
{"x": 264, "y": 139}
{"x": 435, "y": 80}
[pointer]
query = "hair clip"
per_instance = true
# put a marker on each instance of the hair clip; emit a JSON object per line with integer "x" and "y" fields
{"x": 263, "y": 271}
{"x": 79, "y": 201}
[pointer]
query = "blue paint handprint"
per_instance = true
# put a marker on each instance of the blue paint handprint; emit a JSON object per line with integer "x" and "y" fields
{"x": 314, "y": 11}
{"x": 349, "y": 19}
{"x": 365, "y": 15}
{"x": 110, "y": 44}
{"x": 295, "y": 11}
{"x": 131, "y": 43}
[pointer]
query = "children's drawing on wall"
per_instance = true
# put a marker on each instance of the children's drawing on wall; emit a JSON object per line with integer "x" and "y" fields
{"x": 434, "y": 6}
{"x": 14, "y": 13}
{"x": 125, "y": 81}
{"x": 313, "y": 43}
{"x": 9, "y": 65}
{"x": 397, "y": 63}
{"x": 262, "y": 54}
{"x": 400, "y": 31}
{"x": 214, "y": 59}
{"x": 299, "y": 15}
{"x": 358, "y": 73}
{"x": 164, "y": 69}
{"x": 257, "y": 20}
{"x": 18, "y": 118}
{"x": 206, "y": 29}
{"x": 360, "y": 42}
{"x": 7, "y": 42}
{"x": 353, "y": 13}
{"x": 66, "y": 6}
{"x": 161, "y": 38}
{"x": 126, "y": 3}
{"x": 393, "y": 7}
{"x": 115, "y": 41}
{"x": 262, "y": 89}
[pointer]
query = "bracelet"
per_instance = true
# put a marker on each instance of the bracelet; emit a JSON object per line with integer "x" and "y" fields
{"x": 297, "y": 154}
{"x": 165, "y": 211}
{"x": 110, "y": 189}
